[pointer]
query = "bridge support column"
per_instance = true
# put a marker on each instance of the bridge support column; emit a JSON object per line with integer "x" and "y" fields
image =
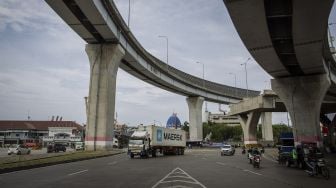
{"x": 104, "y": 62}
{"x": 303, "y": 97}
{"x": 249, "y": 123}
{"x": 195, "y": 118}
{"x": 266, "y": 128}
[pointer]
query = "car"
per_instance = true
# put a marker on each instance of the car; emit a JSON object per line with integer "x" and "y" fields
{"x": 227, "y": 150}
{"x": 18, "y": 150}
{"x": 79, "y": 146}
{"x": 56, "y": 148}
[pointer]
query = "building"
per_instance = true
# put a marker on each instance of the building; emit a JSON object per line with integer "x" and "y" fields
{"x": 40, "y": 132}
{"x": 222, "y": 118}
{"x": 173, "y": 122}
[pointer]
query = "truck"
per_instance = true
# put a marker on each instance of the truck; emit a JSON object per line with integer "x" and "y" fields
{"x": 285, "y": 150}
{"x": 150, "y": 140}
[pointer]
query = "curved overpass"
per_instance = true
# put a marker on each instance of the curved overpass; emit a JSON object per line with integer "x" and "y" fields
{"x": 289, "y": 39}
{"x": 99, "y": 22}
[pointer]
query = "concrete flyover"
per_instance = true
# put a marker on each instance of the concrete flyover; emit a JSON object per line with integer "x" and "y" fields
{"x": 111, "y": 45}
{"x": 288, "y": 38}
{"x": 250, "y": 110}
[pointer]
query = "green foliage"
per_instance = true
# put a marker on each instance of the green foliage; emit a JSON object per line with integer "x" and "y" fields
{"x": 185, "y": 126}
{"x": 279, "y": 128}
{"x": 222, "y": 132}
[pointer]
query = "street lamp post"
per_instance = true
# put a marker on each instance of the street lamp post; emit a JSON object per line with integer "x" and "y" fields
{"x": 202, "y": 73}
{"x": 206, "y": 105}
{"x": 129, "y": 13}
{"x": 235, "y": 76}
{"x": 248, "y": 59}
{"x": 167, "y": 50}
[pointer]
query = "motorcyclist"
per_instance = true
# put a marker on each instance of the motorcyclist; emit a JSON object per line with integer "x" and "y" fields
{"x": 243, "y": 150}
{"x": 310, "y": 160}
{"x": 255, "y": 151}
{"x": 294, "y": 156}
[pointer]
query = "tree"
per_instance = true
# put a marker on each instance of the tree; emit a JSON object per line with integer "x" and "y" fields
{"x": 222, "y": 132}
{"x": 280, "y": 128}
{"x": 185, "y": 126}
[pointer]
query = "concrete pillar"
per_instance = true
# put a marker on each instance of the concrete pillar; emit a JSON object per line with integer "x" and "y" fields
{"x": 249, "y": 123}
{"x": 303, "y": 97}
{"x": 195, "y": 118}
{"x": 104, "y": 62}
{"x": 266, "y": 128}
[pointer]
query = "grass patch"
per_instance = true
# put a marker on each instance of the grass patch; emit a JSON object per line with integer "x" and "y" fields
{"x": 22, "y": 163}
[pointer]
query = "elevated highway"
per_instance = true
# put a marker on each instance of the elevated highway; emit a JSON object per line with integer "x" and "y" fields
{"x": 111, "y": 45}
{"x": 289, "y": 39}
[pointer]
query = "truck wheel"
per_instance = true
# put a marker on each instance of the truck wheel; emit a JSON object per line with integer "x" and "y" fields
{"x": 182, "y": 151}
{"x": 132, "y": 155}
{"x": 154, "y": 153}
{"x": 178, "y": 151}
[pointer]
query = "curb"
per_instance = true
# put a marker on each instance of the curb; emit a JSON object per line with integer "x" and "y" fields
{"x": 7, "y": 170}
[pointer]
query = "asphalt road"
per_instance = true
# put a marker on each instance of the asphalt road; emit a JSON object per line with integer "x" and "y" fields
{"x": 197, "y": 168}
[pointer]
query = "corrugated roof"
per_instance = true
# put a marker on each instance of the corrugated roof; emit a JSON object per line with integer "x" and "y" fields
{"x": 36, "y": 125}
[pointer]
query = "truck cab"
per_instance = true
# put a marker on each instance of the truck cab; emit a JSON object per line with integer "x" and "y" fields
{"x": 139, "y": 144}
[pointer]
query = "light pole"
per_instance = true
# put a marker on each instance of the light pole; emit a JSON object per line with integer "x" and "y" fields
{"x": 248, "y": 59}
{"x": 202, "y": 73}
{"x": 235, "y": 76}
{"x": 167, "y": 50}
{"x": 129, "y": 13}
{"x": 206, "y": 104}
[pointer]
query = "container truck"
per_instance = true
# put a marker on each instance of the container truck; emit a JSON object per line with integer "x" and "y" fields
{"x": 151, "y": 140}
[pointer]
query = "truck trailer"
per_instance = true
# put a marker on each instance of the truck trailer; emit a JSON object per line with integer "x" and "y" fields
{"x": 151, "y": 140}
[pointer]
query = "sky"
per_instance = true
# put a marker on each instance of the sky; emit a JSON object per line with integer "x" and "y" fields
{"x": 45, "y": 70}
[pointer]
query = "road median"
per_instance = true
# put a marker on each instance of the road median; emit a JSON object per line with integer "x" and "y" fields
{"x": 23, "y": 163}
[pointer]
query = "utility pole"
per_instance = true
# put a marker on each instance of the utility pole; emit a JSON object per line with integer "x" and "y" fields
{"x": 248, "y": 59}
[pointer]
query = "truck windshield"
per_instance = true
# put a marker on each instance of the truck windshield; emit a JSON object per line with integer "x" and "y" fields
{"x": 136, "y": 142}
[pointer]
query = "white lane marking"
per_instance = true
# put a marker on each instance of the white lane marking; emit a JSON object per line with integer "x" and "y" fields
{"x": 252, "y": 172}
{"x": 78, "y": 172}
{"x": 172, "y": 181}
{"x": 204, "y": 158}
{"x": 178, "y": 171}
{"x": 221, "y": 163}
{"x": 112, "y": 163}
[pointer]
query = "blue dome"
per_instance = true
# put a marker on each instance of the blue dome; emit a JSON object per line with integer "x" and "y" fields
{"x": 173, "y": 122}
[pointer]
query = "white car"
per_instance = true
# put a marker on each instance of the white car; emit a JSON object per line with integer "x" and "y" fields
{"x": 18, "y": 150}
{"x": 227, "y": 150}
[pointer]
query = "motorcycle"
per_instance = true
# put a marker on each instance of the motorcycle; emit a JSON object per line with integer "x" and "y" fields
{"x": 320, "y": 168}
{"x": 256, "y": 161}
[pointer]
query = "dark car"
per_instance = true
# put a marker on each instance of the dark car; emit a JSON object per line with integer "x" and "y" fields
{"x": 56, "y": 148}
